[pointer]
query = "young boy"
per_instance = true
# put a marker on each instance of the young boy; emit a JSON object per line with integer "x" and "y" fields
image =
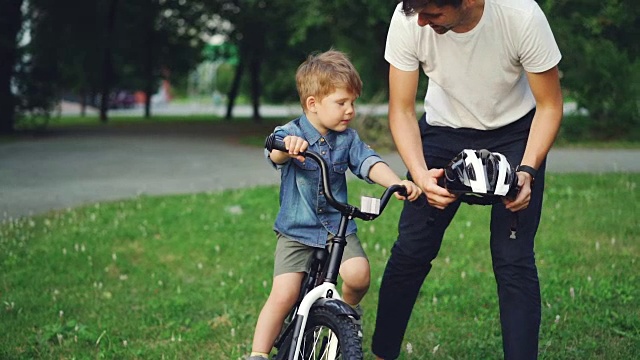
{"x": 328, "y": 86}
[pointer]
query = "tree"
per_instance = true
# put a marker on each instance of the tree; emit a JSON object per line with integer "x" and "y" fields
{"x": 10, "y": 26}
{"x": 601, "y": 63}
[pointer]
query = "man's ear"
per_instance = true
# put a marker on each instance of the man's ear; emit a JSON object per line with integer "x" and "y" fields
{"x": 310, "y": 103}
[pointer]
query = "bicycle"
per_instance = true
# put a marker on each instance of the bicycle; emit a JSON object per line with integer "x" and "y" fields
{"x": 321, "y": 325}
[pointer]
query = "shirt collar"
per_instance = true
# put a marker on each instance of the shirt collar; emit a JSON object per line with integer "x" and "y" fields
{"x": 313, "y": 135}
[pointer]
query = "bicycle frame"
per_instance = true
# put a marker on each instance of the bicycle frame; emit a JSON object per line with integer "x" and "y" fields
{"x": 327, "y": 288}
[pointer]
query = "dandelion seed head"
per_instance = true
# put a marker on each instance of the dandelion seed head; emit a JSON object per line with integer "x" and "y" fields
{"x": 114, "y": 256}
{"x": 597, "y": 245}
{"x": 435, "y": 349}
{"x": 572, "y": 292}
{"x": 199, "y": 266}
{"x": 409, "y": 348}
{"x": 377, "y": 247}
{"x": 557, "y": 320}
{"x": 463, "y": 274}
{"x": 234, "y": 210}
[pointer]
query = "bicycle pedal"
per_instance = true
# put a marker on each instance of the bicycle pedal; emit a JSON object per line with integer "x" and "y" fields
{"x": 370, "y": 205}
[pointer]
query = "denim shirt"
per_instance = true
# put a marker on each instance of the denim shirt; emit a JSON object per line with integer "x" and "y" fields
{"x": 305, "y": 215}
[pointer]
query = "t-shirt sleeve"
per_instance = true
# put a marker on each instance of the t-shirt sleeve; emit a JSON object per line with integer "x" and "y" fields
{"x": 539, "y": 51}
{"x": 400, "y": 50}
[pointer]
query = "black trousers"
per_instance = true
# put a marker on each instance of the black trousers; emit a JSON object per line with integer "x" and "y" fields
{"x": 421, "y": 229}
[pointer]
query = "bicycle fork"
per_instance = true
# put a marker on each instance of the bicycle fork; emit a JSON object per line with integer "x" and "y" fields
{"x": 325, "y": 290}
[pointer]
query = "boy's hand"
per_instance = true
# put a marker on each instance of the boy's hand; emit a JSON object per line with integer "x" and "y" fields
{"x": 413, "y": 191}
{"x": 296, "y": 145}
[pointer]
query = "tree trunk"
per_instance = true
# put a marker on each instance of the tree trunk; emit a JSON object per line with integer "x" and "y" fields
{"x": 83, "y": 102}
{"x": 107, "y": 65}
{"x": 256, "y": 62}
{"x": 149, "y": 80}
{"x": 10, "y": 25}
{"x": 235, "y": 87}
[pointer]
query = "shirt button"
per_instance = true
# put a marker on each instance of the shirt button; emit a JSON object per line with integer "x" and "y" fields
{"x": 319, "y": 210}
{"x": 321, "y": 192}
{"x": 321, "y": 139}
{"x": 324, "y": 152}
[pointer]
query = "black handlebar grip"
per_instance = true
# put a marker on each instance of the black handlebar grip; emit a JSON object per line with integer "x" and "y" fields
{"x": 273, "y": 143}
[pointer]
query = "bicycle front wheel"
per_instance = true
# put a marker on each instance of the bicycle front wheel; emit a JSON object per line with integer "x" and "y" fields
{"x": 327, "y": 336}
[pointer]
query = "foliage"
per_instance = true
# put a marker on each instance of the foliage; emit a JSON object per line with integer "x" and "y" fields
{"x": 11, "y": 29}
{"x": 71, "y": 48}
{"x": 184, "y": 277}
{"x": 601, "y": 66}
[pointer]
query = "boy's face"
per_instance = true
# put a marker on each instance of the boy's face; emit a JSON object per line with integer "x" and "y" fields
{"x": 333, "y": 112}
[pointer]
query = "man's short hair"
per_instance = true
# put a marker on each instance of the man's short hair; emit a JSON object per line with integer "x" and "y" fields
{"x": 409, "y": 6}
{"x": 323, "y": 73}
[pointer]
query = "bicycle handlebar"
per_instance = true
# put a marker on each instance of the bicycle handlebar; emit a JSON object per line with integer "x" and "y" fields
{"x": 274, "y": 143}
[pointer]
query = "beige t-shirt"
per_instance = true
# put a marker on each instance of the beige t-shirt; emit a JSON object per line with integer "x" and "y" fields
{"x": 477, "y": 79}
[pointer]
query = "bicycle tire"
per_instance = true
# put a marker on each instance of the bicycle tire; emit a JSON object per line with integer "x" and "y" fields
{"x": 322, "y": 324}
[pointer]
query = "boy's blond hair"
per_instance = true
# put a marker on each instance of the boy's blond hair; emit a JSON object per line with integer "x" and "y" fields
{"x": 323, "y": 73}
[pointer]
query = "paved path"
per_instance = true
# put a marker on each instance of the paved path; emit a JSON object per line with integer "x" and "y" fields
{"x": 67, "y": 168}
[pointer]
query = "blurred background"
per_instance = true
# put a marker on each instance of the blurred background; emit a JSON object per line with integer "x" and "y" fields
{"x": 149, "y": 57}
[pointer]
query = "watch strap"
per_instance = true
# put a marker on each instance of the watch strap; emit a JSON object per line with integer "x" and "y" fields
{"x": 528, "y": 169}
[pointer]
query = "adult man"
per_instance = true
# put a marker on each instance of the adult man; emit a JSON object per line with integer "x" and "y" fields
{"x": 494, "y": 84}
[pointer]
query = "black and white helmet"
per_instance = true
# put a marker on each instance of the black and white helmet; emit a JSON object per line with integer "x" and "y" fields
{"x": 482, "y": 173}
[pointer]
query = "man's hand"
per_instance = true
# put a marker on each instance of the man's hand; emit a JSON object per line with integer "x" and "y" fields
{"x": 437, "y": 196}
{"x": 521, "y": 201}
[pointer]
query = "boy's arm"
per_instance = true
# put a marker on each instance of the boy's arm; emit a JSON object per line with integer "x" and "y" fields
{"x": 382, "y": 174}
{"x": 278, "y": 157}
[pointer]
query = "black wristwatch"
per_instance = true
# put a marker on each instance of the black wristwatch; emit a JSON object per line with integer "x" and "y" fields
{"x": 528, "y": 169}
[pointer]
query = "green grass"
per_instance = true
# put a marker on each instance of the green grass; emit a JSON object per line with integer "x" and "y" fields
{"x": 184, "y": 277}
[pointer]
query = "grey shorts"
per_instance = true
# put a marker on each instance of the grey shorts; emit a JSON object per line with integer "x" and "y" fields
{"x": 292, "y": 256}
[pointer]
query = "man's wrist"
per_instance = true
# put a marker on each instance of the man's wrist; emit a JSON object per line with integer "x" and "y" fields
{"x": 527, "y": 169}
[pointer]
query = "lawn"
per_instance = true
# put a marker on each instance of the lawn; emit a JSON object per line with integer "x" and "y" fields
{"x": 184, "y": 277}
